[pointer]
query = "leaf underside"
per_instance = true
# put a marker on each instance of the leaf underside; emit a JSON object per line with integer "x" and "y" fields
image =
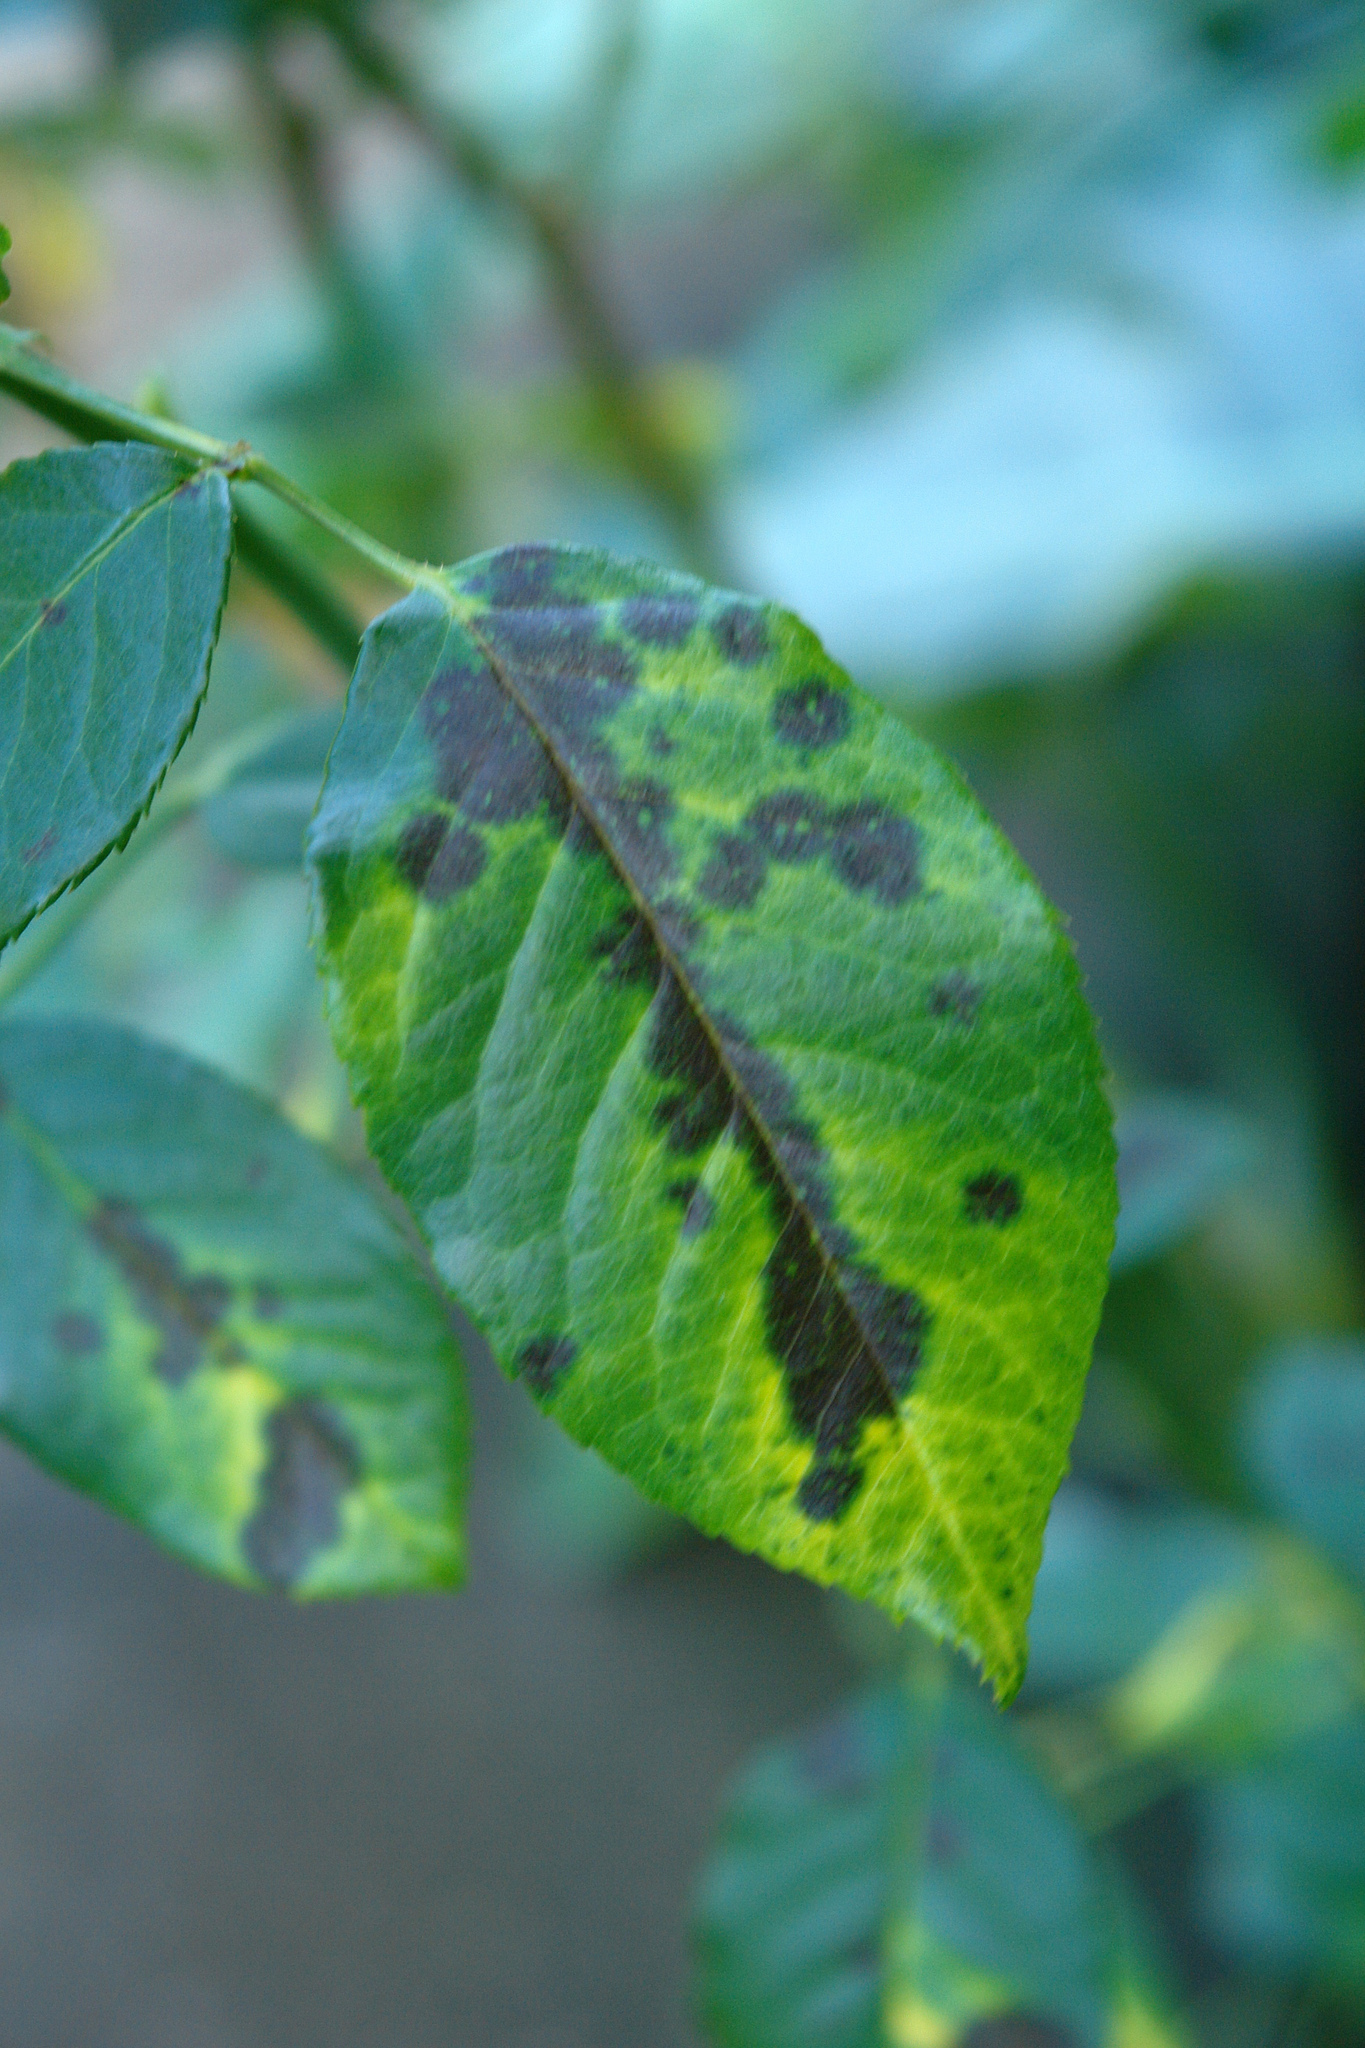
{"x": 731, "y": 1063}
{"x": 209, "y": 1326}
{"x": 113, "y": 575}
{"x": 901, "y": 1876}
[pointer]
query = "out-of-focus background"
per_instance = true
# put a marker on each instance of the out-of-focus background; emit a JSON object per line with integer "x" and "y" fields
{"x": 1020, "y": 346}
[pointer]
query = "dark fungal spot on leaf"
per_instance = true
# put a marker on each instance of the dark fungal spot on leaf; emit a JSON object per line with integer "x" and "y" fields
{"x": 40, "y": 847}
{"x": 813, "y": 714}
{"x": 419, "y": 846}
{"x": 186, "y": 1310}
{"x": 543, "y": 1363}
{"x": 697, "y": 1206}
{"x": 679, "y": 924}
{"x": 1018, "y": 2030}
{"x": 626, "y": 948}
{"x": 790, "y": 825}
{"x": 459, "y": 861}
{"x": 311, "y": 1464}
{"x": 79, "y": 1334}
{"x": 659, "y": 742}
{"x": 590, "y": 676}
{"x": 740, "y": 634}
{"x": 895, "y": 1319}
{"x": 876, "y": 850}
{"x": 489, "y": 760}
{"x": 734, "y": 875}
{"x": 697, "y": 1102}
{"x": 992, "y": 1198}
{"x": 659, "y": 621}
{"x": 955, "y": 996}
{"x": 53, "y": 612}
{"x": 516, "y": 576}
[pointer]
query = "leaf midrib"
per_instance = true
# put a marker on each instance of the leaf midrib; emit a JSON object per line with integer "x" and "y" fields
{"x": 949, "y": 1520}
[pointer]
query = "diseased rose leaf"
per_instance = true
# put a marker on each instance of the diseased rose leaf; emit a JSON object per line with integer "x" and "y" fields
{"x": 206, "y": 1323}
{"x": 113, "y": 574}
{"x": 865, "y": 1891}
{"x": 734, "y": 1067}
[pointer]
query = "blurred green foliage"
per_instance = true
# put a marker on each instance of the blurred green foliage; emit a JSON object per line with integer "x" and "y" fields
{"x": 1016, "y": 343}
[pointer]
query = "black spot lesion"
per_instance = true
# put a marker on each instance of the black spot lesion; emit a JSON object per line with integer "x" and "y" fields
{"x": 993, "y": 1197}
{"x": 741, "y": 634}
{"x": 660, "y": 621}
{"x": 187, "y": 1309}
{"x": 870, "y": 847}
{"x": 697, "y": 1100}
{"x": 311, "y": 1465}
{"x": 544, "y": 1361}
{"x": 957, "y": 997}
{"x": 813, "y": 714}
{"x": 699, "y": 1210}
{"x": 489, "y": 760}
{"x": 625, "y": 946}
{"x": 52, "y": 611}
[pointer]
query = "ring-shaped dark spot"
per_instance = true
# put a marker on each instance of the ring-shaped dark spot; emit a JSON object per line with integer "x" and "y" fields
{"x": 741, "y": 634}
{"x": 992, "y": 1198}
{"x": 813, "y": 714}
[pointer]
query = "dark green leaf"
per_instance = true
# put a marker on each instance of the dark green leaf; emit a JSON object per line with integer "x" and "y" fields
{"x": 113, "y": 573}
{"x": 1284, "y": 1882}
{"x": 733, "y": 1065}
{"x": 261, "y": 816}
{"x": 1304, "y": 1444}
{"x": 902, "y": 1876}
{"x": 207, "y": 1324}
{"x": 1179, "y": 1156}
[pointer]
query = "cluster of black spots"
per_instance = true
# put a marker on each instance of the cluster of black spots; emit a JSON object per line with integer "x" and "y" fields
{"x": 812, "y": 714}
{"x": 1018, "y": 2029}
{"x": 992, "y": 1198}
{"x": 660, "y": 621}
{"x": 741, "y": 634}
{"x": 573, "y": 677}
{"x": 699, "y": 1211}
{"x": 868, "y": 845}
{"x": 956, "y": 997}
{"x": 78, "y": 1334}
{"x": 310, "y": 1467}
{"x": 186, "y": 1310}
{"x": 543, "y": 1363}
{"x": 627, "y": 950}
{"x": 698, "y": 1099}
{"x": 439, "y": 857}
{"x": 489, "y": 759}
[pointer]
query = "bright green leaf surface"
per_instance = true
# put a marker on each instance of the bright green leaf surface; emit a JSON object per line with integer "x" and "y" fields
{"x": 1304, "y": 1444}
{"x": 733, "y": 1065}
{"x": 207, "y": 1324}
{"x": 260, "y": 818}
{"x": 113, "y": 572}
{"x": 903, "y": 1877}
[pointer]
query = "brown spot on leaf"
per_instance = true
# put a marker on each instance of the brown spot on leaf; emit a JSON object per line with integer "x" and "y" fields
{"x": 40, "y": 847}
{"x": 544, "y": 1361}
{"x": 1018, "y": 2030}
{"x": 955, "y": 996}
{"x": 187, "y": 1309}
{"x": 876, "y": 850}
{"x": 992, "y": 1198}
{"x": 77, "y": 1333}
{"x": 310, "y": 1467}
{"x": 813, "y": 714}
{"x": 741, "y": 634}
{"x": 660, "y": 621}
{"x": 696, "y": 1107}
{"x": 790, "y": 825}
{"x": 734, "y": 875}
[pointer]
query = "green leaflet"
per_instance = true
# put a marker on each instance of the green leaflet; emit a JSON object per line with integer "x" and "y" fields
{"x": 113, "y": 573}
{"x": 207, "y": 1324}
{"x": 902, "y": 1878}
{"x": 733, "y": 1066}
